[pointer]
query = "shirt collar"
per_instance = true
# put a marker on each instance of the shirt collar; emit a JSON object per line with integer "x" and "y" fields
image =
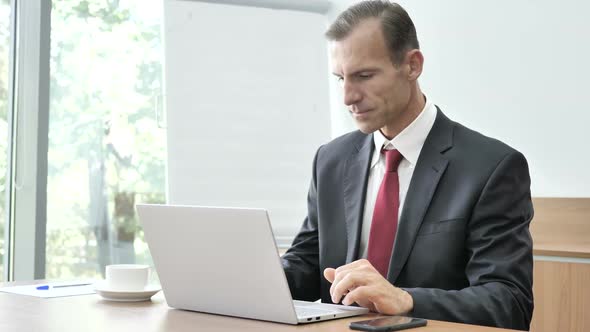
{"x": 409, "y": 141}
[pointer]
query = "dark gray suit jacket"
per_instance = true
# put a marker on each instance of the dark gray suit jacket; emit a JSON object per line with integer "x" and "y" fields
{"x": 463, "y": 248}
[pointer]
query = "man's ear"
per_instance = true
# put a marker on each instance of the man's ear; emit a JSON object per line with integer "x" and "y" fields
{"x": 415, "y": 63}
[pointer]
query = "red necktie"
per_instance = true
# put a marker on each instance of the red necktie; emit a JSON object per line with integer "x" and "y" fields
{"x": 384, "y": 224}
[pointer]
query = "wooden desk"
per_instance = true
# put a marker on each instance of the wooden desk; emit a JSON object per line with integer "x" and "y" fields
{"x": 89, "y": 313}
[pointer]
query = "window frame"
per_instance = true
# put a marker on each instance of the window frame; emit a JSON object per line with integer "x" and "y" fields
{"x": 28, "y": 119}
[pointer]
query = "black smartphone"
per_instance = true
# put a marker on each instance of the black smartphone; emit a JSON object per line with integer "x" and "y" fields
{"x": 392, "y": 323}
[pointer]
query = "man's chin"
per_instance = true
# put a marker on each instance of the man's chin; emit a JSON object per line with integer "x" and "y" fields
{"x": 366, "y": 129}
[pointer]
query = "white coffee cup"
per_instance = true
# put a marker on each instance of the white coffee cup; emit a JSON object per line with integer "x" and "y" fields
{"x": 127, "y": 277}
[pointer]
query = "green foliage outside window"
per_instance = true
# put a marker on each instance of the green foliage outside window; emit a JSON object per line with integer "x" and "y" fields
{"x": 106, "y": 151}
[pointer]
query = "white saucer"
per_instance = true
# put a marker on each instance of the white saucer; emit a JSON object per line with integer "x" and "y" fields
{"x": 125, "y": 296}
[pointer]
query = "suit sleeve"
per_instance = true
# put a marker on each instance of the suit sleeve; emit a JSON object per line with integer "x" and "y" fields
{"x": 499, "y": 264}
{"x": 301, "y": 261}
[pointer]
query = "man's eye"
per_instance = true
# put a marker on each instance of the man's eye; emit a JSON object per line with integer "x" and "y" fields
{"x": 365, "y": 76}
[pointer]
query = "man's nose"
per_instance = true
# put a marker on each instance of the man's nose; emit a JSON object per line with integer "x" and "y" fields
{"x": 351, "y": 94}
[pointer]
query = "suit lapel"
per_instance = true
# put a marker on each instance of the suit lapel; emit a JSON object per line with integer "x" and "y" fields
{"x": 429, "y": 169}
{"x": 355, "y": 188}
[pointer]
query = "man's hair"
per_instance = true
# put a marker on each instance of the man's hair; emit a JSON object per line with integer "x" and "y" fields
{"x": 396, "y": 25}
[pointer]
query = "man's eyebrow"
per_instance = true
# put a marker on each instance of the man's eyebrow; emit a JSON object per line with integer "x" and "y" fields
{"x": 358, "y": 72}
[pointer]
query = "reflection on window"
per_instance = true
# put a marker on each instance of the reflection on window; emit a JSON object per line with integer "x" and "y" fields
{"x": 106, "y": 151}
{"x": 4, "y": 62}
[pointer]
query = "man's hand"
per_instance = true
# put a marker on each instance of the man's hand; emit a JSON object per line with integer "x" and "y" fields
{"x": 360, "y": 282}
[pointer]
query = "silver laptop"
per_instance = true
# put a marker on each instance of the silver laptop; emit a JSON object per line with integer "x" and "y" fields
{"x": 225, "y": 261}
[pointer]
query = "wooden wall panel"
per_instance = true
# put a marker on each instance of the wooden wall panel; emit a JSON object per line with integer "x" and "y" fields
{"x": 561, "y": 227}
{"x": 562, "y": 297}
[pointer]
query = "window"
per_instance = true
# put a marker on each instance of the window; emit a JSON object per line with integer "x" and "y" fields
{"x": 106, "y": 149}
{"x": 4, "y": 63}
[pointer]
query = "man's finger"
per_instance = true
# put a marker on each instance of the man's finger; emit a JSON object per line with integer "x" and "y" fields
{"x": 352, "y": 265}
{"x": 366, "y": 304}
{"x": 344, "y": 285}
{"x": 359, "y": 295}
{"x": 330, "y": 274}
{"x": 338, "y": 276}
{"x": 361, "y": 266}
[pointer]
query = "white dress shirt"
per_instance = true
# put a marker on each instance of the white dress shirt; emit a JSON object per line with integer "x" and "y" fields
{"x": 409, "y": 143}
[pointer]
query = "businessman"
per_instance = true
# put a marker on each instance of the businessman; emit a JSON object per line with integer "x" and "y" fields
{"x": 412, "y": 214}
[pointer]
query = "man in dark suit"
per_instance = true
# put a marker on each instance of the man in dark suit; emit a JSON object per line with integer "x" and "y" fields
{"x": 414, "y": 213}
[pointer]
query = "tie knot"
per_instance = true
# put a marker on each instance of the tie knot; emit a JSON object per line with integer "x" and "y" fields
{"x": 392, "y": 159}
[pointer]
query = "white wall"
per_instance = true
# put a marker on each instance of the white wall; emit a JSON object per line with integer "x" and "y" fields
{"x": 247, "y": 106}
{"x": 514, "y": 70}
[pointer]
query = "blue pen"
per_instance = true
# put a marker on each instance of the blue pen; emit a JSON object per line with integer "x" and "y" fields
{"x": 46, "y": 287}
